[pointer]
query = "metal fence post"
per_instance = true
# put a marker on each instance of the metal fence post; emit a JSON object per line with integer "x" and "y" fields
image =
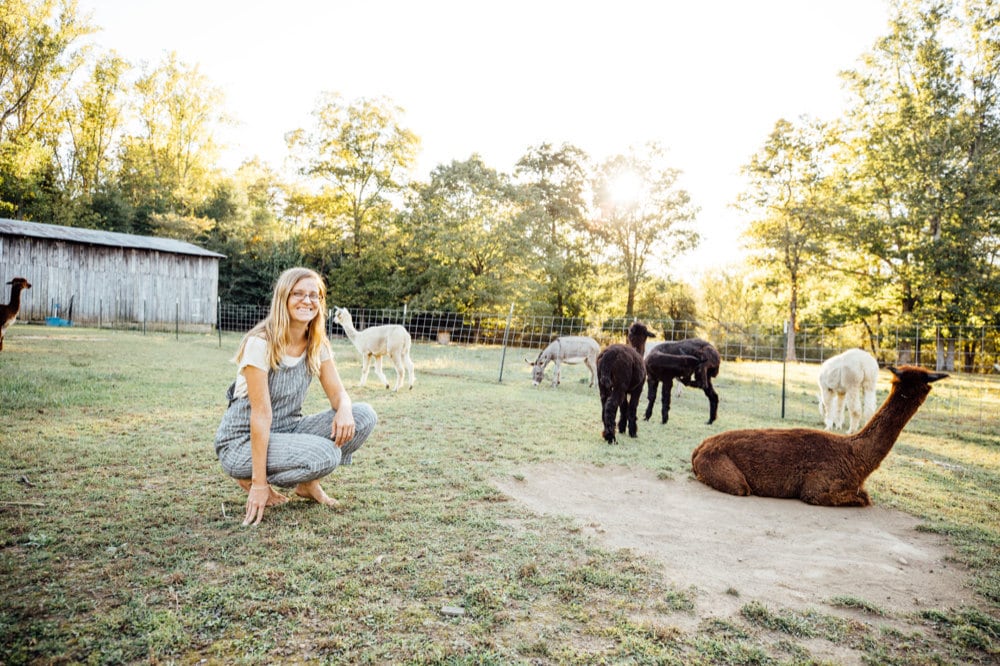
{"x": 784, "y": 364}
{"x": 503, "y": 353}
{"x": 218, "y": 319}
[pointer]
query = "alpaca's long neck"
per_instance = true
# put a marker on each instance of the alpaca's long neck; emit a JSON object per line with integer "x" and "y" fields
{"x": 15, "y": 297}
{"x": 15, "y": 302}
{"x": 349, "y": 329}
{"x": 873, "y": 443}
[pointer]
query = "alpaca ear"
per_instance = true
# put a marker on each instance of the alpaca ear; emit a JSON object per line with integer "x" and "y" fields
{"x": 934, "y": 376}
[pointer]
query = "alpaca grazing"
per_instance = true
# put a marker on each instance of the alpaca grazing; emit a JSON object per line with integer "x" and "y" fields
{"x": 847, "y": 380}
{"x": 8, "y": 311}
{"x": 814, "y": 466}
{"x": 693, "y": 362}
{"x": 620, "y": 375}
{"x": 390, "y": 340}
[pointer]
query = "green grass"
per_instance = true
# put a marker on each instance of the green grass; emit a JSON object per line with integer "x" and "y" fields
{"x": 120, "y": 537}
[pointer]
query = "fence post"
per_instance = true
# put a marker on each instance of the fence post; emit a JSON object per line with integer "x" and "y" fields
{"x": 503, "y": 352}
{"x": 784, "y": 364}
{"x": 144, "y": 316}
{"x": 177, "y": 319}
{"x": 218, "y": 318}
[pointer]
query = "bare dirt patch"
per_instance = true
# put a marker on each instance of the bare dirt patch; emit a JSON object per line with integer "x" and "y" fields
{"x": 735, "y": 549}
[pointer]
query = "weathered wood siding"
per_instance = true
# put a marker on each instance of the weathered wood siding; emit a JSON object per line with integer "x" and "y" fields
{"x": 110, "y": 284}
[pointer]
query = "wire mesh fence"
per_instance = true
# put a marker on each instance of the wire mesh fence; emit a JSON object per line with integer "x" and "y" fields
{"x": 973, "y": 349}
{"x": 970, "y": 349}
{"x": 970, "y": 399}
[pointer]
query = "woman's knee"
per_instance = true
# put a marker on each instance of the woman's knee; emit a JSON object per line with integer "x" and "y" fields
{"x": 365, "y": 419}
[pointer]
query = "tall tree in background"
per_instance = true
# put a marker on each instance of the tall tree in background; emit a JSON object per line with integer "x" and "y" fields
{"x": 37, "y": 62}
{"x": 469, "y": 252}
{"x": 924, "y": 158}
{"x": 94, "y": 118}
{"x": 360, "y": 157}
{"x": 168, "y": 166}
{"x": 640, "y": 215}
{"x": 789, "y": 194}
{"x": 554, "y": 184}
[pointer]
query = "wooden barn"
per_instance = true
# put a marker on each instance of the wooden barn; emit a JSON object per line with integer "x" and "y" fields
{"x": 108, "y": 278}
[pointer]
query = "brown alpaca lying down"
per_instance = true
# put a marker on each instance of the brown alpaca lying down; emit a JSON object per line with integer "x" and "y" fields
{"x": 814, "y": 466}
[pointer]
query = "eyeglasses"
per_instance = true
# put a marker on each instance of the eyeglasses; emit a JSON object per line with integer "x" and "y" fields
{"x": 303, "y": 296}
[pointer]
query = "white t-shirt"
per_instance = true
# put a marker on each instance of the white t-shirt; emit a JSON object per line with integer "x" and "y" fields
{"x": 255, "y": 354}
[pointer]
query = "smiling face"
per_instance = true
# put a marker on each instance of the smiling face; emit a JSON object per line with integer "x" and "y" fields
{"x": 304, "y": 300}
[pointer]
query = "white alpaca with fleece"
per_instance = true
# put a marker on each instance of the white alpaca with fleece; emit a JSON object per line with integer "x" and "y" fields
{"x": 390, "y": 340}
{"x": 848, "y": 381}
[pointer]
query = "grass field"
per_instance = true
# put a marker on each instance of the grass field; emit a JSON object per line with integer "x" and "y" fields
{"x": 120, "y": 537}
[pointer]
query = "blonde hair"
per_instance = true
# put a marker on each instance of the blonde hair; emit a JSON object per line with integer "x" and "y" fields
{"x": 276, "y": 326}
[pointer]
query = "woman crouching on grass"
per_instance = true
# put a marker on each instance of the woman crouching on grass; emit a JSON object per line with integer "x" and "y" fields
{"x": 263, "y": 437}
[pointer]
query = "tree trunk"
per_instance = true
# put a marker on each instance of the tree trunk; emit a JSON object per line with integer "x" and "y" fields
{"x": 969, "y": 362}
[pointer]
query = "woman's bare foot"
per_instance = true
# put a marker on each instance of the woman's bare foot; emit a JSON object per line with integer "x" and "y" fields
{"x": 312, "y": 490}
{"x": 275, "y": 499}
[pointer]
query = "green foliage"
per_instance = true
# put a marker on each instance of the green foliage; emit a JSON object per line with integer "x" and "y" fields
{"x": 553, "y": 184}
{"x": 468, "y": 250}
{"x": 922, "y": 159}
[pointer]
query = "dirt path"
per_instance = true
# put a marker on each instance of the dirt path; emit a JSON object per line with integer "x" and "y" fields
{"x": 734, "y": 549}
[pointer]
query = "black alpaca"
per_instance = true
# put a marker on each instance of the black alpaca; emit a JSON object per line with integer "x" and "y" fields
{"x": 693, "y": 362}
{"x": 620, "y": 376}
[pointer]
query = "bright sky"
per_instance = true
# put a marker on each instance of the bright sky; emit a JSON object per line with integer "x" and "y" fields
{"x": 706, "y": 79}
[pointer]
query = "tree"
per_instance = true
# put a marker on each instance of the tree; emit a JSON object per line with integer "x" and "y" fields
{"x": 553, "y": 185}
{"x": 37, "y": 62}
{"x": 924, "y": 159}
{"x": 789, "y": 190}
{"x": 94, "y": 118}
{"x": 168, "y": 166}
{"x": 361, "y": 153}
{"x": 640, "y": 213}
{"x": 467, "y": 252}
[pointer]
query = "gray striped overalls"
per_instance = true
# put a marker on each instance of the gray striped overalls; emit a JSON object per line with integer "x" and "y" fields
{"x": 300, "y": 448}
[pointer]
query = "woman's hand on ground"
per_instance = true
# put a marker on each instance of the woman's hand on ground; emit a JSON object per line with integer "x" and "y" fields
{"x": 257, "y": 499}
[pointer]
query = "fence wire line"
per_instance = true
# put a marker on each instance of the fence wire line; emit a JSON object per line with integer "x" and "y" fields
{"x": 971, "y": 349}
{"x": 965, "y": 348}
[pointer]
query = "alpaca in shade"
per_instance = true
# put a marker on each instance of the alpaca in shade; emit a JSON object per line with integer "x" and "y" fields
{"x": 814, "y": 466}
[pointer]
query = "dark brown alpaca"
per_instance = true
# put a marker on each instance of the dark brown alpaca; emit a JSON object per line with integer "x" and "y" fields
{"x": 814, "y": 466}
{"x": 620, "y": 376}
{"x": 8, "y": 312}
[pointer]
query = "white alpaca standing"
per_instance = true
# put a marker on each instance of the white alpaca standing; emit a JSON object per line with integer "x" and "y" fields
{"x": 848, "y": 380}
{"x": 390, "y": 340}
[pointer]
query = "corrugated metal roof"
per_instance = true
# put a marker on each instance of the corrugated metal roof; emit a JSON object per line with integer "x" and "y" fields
{"x": 95, "y": 237}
